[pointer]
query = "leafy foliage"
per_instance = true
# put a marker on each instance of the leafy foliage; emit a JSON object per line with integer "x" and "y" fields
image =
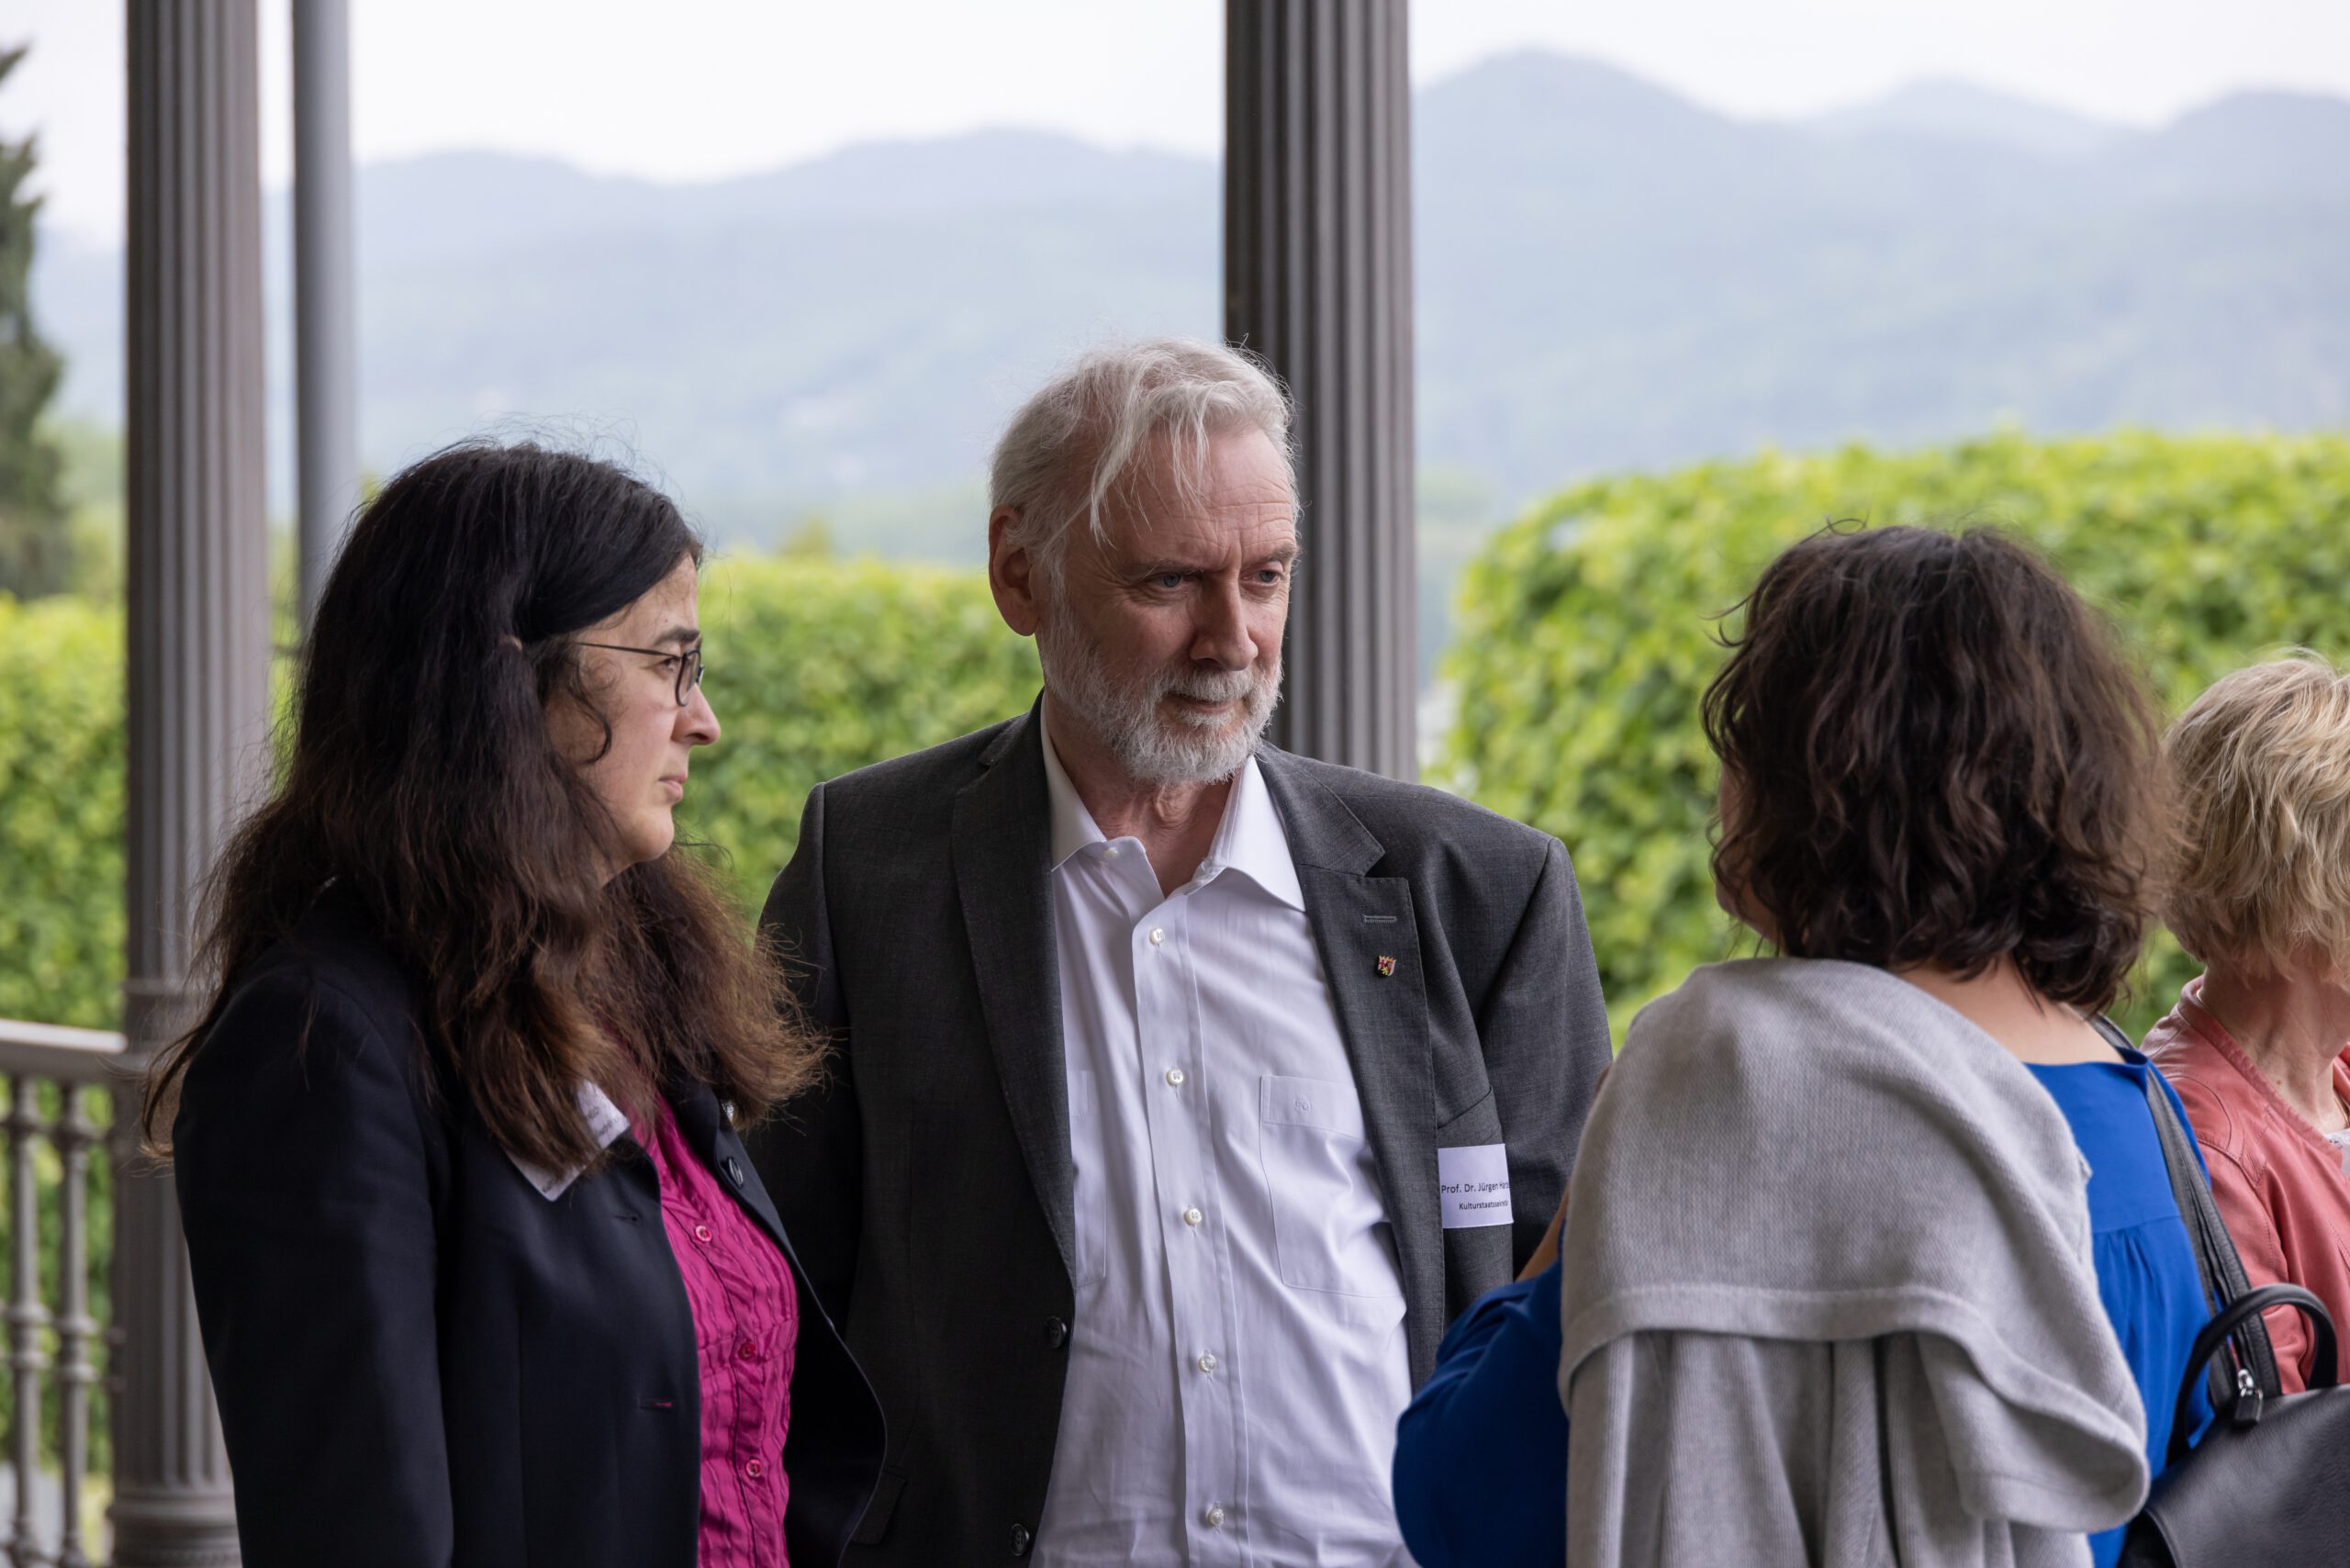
{"x": 35, "y": 546}
{"x": 61, "y": 812}
{"x": 817, "y": 667}
{"x": 1585, "y": 640}
{"x": 1587, "y": 631}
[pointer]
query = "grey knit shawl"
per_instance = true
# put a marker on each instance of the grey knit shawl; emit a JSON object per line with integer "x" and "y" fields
{"x": 1793, "y": 1154}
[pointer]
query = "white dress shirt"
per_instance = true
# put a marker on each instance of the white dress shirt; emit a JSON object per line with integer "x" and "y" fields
{"x": 1237, "y": 1363}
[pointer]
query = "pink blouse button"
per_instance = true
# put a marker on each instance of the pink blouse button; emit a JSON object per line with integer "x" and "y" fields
{"x": 746, "y": 1309}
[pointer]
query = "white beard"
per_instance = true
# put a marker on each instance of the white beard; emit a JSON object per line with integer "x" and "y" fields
{"x": 1152, "y": 746}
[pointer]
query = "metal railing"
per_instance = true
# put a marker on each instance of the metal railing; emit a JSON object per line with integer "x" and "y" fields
{"x": 52, "y": 1343}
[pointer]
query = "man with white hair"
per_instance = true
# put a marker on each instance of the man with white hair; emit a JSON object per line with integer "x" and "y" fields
{"x": 1187, "y": 1089}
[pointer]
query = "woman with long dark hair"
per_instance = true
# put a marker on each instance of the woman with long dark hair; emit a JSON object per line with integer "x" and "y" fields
{"x": 484, "y": 1274}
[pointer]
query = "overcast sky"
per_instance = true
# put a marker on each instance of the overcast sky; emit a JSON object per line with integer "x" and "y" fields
{"x": 699, "y": 89}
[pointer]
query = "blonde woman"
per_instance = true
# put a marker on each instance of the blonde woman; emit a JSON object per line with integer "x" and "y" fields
{"x": 2261, "y": 896}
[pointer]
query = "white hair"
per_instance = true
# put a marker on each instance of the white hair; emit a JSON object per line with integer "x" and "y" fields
{"x": 1070, "y": 445}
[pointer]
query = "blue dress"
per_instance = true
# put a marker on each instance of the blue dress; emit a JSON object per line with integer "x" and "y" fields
{"x": 2146, "y": 1264}
{"x": 1495, "y": 1393}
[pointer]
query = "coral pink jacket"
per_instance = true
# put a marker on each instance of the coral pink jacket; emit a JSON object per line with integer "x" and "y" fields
{"x": 2279, "y": 1184}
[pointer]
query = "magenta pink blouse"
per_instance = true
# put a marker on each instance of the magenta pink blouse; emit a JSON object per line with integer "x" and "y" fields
{"x": 746, "y": 1326}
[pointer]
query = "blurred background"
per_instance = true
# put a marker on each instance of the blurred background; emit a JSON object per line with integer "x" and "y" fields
{"x": 804, "y": 260}
{"x": 1690, "y": 278}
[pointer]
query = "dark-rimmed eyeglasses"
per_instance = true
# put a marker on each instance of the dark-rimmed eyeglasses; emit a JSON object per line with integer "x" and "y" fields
{"x": 689, "y": 664}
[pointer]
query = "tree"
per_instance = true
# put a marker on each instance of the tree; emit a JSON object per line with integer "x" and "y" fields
{"x": 35, "y": 547}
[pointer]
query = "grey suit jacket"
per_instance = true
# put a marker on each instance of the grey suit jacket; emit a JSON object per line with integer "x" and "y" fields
{"x": 928, "y": 1189}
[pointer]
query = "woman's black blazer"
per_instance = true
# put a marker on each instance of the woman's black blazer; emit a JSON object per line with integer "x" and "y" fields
{"x": 419, "y": 1360}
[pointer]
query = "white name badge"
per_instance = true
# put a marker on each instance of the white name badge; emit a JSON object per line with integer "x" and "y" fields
{"x": 1472, "y": 1181}
{"x": 604, "y": 1120}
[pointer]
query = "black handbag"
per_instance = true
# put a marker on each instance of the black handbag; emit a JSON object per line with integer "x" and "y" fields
{"x": 2269, "y": 1484}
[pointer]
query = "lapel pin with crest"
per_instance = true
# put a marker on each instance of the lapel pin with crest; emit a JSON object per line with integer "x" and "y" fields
{"x": 1386, "y": 968}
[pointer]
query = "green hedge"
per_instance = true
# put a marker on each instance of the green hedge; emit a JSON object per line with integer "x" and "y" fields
{"x": 1587, "y": 632}
{"x": 61, "y": 811}
{"x": 816, "y": 667}
{"x": 1584, "y": 640}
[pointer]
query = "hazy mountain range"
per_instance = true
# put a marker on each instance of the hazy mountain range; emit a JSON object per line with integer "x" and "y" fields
{"x": 1607, "y": 276}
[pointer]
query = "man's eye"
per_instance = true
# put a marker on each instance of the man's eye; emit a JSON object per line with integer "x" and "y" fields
{"x": 1168, "y": 580}
{"x": 672, "y": 662}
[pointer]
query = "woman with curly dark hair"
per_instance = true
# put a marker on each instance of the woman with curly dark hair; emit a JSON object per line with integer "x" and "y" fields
{"x": 483, "y": 1274}
{"x": 1836, "y": 1284}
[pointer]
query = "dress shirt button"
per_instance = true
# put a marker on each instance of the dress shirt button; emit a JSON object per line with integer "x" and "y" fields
{"x": 1021, "y": 1540}
{"x": 754, "y": 1470}
{"x": 747, "y": 1350}
{"x": 1214, "y": 1516}
{"x": 701, "y": 1234}
{"x": 1157, "y": 935}
{"x": 1193, "y": 1216}
{"x": 1175, "y": 1077}
{"x": 1111, "y": 853}
{"x": 1207, "y": 1361}
{"x": 1056, "y": 1333}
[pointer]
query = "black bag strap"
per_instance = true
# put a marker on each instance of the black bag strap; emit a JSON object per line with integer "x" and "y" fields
{"x": 2209, "y": 1234}
{"x": 2245, "y": 1309}
{"x": 2225, "y": 1281}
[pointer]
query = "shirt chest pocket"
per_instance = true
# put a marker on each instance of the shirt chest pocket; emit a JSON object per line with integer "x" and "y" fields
{"x": 1330, "y": 1229}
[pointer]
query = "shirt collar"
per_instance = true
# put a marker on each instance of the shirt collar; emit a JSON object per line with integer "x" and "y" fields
{"x": 1249, "y": 839}
{"x": 1073, "y": 825}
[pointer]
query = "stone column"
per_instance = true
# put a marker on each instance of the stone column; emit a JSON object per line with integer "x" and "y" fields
{"x": 1317, "y": 270}
{"x": 326, "y": 352}
{"x": 198, "y": 685}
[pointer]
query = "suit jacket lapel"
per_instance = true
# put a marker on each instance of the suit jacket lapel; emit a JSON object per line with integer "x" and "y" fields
{"x": 1003, "y": 849}
{"x": 696, "y": 1108}
{"x": 1361, "y": 923}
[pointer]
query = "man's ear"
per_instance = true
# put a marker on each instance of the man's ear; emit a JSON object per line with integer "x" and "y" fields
{"x": 1012, "y": 574}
